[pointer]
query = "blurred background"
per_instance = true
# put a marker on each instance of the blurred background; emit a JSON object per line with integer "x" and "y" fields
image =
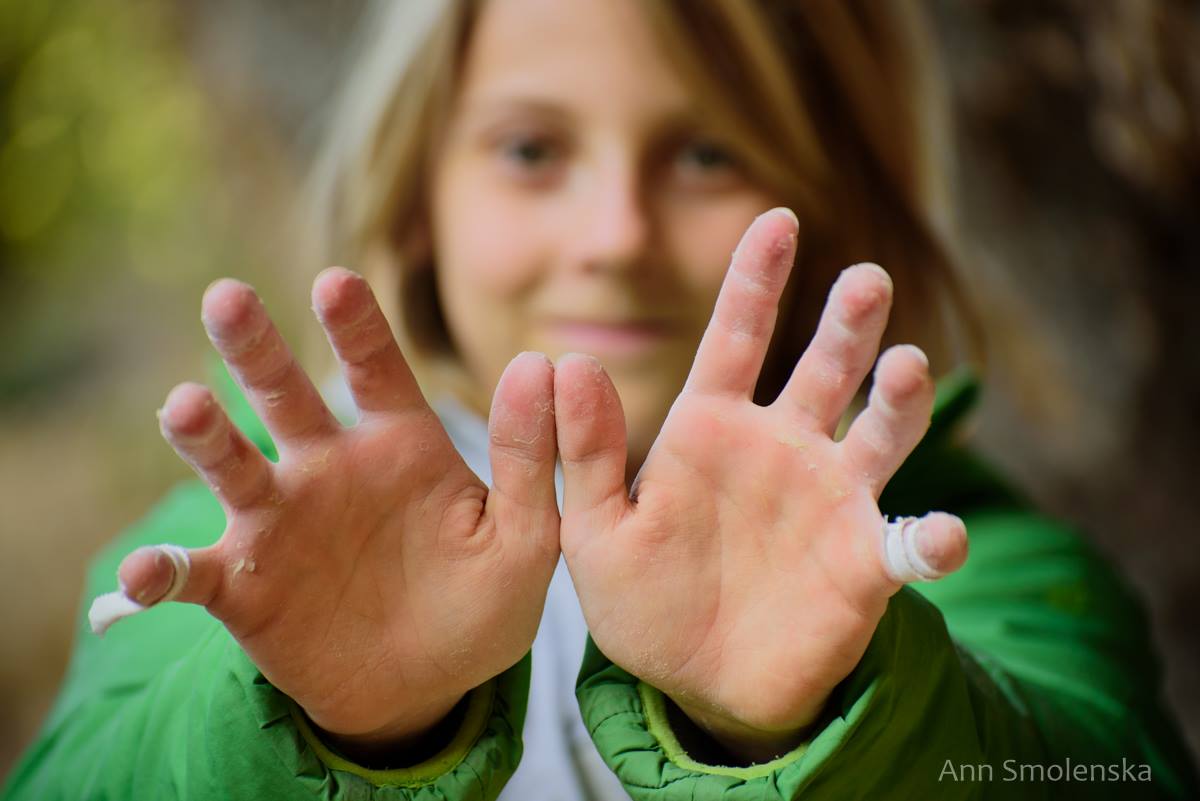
{"x": 148, "y": 147}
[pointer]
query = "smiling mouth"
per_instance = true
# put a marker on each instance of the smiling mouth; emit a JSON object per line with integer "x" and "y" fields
{"x": 611, "y": 338}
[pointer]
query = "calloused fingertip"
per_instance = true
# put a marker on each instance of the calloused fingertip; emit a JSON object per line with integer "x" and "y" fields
{"x": 229, "y": 310}
{"x": 577, "y": 355}
{"x": 533, "y": 354}
{"x": 145, "y": 575}
{"x": 332, "y": 293}
{"x": 786, "y": 213}
{"x": 873, "y": 267}
{"x": 901, "y": 374}
{"x": 942, "y": 541}
{"x": 916, "y": 353}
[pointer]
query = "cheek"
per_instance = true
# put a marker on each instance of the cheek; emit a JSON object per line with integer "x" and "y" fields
{"x": 477, "y": 244}
{"x": 704, "y": 237}
{"x": 486, "y": 261}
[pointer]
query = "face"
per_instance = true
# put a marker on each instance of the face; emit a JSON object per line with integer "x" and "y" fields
{"x": 582, "y": 202}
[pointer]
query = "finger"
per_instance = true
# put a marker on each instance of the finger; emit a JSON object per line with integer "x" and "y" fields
{"x": 735, "y": 343}
{"x": 155, "y": 574}
{"x": 521, "y": 435}
{"x": 379, "y": 378}
{"x": 923, "y": 549}
{"x": 198, "y": 429}
{"x": 843, "y": 348}
{"x": 275, "y": 385}
{"x": 591, "y": 437}
{"x": 897, "y": 415}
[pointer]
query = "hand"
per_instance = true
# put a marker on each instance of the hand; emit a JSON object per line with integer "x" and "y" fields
{"x": 368, "y": 574}
{"x": 744, "y": 575}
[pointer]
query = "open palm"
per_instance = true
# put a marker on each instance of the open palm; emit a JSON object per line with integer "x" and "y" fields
{"x": 369, "y": 574}
{"x": 744, "y": 575}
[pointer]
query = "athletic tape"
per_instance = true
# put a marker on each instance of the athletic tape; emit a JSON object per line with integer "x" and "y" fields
{"x": 113, "y": 606}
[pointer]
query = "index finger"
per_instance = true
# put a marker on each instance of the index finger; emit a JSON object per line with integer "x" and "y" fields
{"x": 734, "y": 345}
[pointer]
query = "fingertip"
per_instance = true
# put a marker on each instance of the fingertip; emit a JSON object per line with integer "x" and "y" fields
{"x": 575, "y": 367}
{"x": 588, "y": 407}
{"x": 863, "y": 290}
{"x": 914, "y": 353}
{"x": 902, "y": 375}
{"x": 529, "y": 366}
{"x": 338, "y": 294}
{"x": 574, "y": 358}
{"x": 532, "y": 359}
{"x": 787, "y": 214}
{"x": 229, "y": 307}
{"x": 224, "y": 287}
{"x": 146, "y": 574}
{"x": 579, "y": 381}
{"x": 874, "y": 270}
{"x": 523, "y": 405}
{"x": 188, "y": 411}
{"x": 942, "y": 542}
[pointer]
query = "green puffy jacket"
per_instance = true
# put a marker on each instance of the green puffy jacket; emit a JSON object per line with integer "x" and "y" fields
{"x": 1027, "y": 674}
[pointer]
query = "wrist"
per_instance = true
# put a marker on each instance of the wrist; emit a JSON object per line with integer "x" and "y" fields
{"x": 716, "y": 738}
{"x": 408, "y": 740}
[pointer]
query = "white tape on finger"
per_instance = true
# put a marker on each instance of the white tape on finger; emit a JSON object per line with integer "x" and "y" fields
{"x": 902, "y": 561}
{"x": 113, "y": 606}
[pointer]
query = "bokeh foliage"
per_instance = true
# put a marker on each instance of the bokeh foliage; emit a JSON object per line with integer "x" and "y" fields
{"x": 105, "y": 174}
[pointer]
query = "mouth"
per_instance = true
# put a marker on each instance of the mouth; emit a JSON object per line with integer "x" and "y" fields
{"x": 614, "y": 338}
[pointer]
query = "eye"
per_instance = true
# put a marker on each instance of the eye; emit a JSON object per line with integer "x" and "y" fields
{"x": 706, "y": 155}
{"x": 530, "y": 154}
{"x": 702, "y": 164}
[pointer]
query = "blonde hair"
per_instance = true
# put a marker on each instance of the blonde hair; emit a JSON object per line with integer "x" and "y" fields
{"x": 836, "y": 105}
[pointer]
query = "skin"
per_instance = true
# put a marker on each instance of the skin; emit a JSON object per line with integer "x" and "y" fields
{"x": 418, "y": 582}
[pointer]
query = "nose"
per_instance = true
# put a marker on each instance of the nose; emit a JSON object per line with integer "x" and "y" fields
{"x": 613, "y": 225}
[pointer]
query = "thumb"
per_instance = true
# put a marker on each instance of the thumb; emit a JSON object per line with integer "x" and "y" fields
{"x": 591, "y": 436}
{"x": 521, "y": 436}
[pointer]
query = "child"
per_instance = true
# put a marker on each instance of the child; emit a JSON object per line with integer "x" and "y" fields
{"x": 528, "y": 177}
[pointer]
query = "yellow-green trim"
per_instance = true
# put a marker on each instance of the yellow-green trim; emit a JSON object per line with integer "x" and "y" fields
{"x": 479, "y": 710}
{"x": 654, "y": 707}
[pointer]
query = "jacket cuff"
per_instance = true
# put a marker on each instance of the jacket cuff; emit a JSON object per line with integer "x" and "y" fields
{"x": 475, "y": 764}
{"x": 480, "y": 707}
{"x": 887, "y": 729}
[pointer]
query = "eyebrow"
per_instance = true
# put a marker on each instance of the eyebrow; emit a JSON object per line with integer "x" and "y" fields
{"x": 519, "y": 104}
{"x": 676, "y": 120}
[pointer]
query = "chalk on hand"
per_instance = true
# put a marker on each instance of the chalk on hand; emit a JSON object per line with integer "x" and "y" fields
{"x": 902, "y": 561}
{"x": 113, "y": 606}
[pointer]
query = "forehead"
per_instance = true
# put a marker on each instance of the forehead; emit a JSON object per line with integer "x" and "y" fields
{"x": 574, "y": 52}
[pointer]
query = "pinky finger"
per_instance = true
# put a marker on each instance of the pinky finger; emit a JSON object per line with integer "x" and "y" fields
{"x": 156, "y": 574}
{"x": 923, "y": 549}
{"x": 201, "y": 433}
